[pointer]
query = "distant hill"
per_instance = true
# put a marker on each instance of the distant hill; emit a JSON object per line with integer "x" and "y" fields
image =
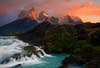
{"x": 73, "y": 20}
{"x": 18, "y": 26}
{"x": 36, "y": 34}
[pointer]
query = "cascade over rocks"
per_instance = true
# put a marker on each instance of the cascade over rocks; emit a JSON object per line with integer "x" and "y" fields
{"x": 18, "y": 53}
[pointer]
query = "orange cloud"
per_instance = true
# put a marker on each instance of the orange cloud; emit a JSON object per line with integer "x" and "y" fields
{"x": 87, "y": 12}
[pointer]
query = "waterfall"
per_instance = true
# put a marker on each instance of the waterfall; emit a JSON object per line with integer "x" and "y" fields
{"x": 10, "y": 46}
{"x": 39, "y": 48}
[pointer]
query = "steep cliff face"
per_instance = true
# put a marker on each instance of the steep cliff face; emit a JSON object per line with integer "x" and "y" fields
{"x": 31, "y": 13}
{"x": 43, "y": 16}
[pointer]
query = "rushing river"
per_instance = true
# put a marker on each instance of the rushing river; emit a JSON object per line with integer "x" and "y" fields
{"x": 11, "y": 45}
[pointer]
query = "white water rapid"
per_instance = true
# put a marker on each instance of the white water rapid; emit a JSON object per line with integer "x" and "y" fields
{"x": 10, "y": 46}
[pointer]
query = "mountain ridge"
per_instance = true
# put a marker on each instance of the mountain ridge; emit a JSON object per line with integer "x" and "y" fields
{"x": 18, "y": 26}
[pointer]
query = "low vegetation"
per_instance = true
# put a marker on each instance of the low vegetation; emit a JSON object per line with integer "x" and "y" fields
{"x": 81, "y": 41}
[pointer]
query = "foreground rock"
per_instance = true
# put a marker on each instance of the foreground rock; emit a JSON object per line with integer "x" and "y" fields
{"x": 94, "y": 63}
{"x": 89, "y": 59}
{"x": 17, "y": 56}
{"x": 29, "y": 51}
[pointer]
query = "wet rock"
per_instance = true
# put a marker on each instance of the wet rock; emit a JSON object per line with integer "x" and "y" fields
{"x": 17, "y": 56}
{"x": 32, "y": 50}
{"x": 16, "y": 66}
{"x": 29, "y": 48}
{"x": 41, "y": 52}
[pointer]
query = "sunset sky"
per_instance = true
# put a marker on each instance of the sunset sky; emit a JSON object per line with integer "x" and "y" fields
{"x": 87, "y": 10}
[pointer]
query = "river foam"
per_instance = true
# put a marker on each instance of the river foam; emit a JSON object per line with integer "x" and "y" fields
{"x": 10, "y": 46}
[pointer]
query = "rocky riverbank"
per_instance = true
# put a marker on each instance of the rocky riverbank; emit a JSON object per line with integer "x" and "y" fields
{"x": 89, "y": 59}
